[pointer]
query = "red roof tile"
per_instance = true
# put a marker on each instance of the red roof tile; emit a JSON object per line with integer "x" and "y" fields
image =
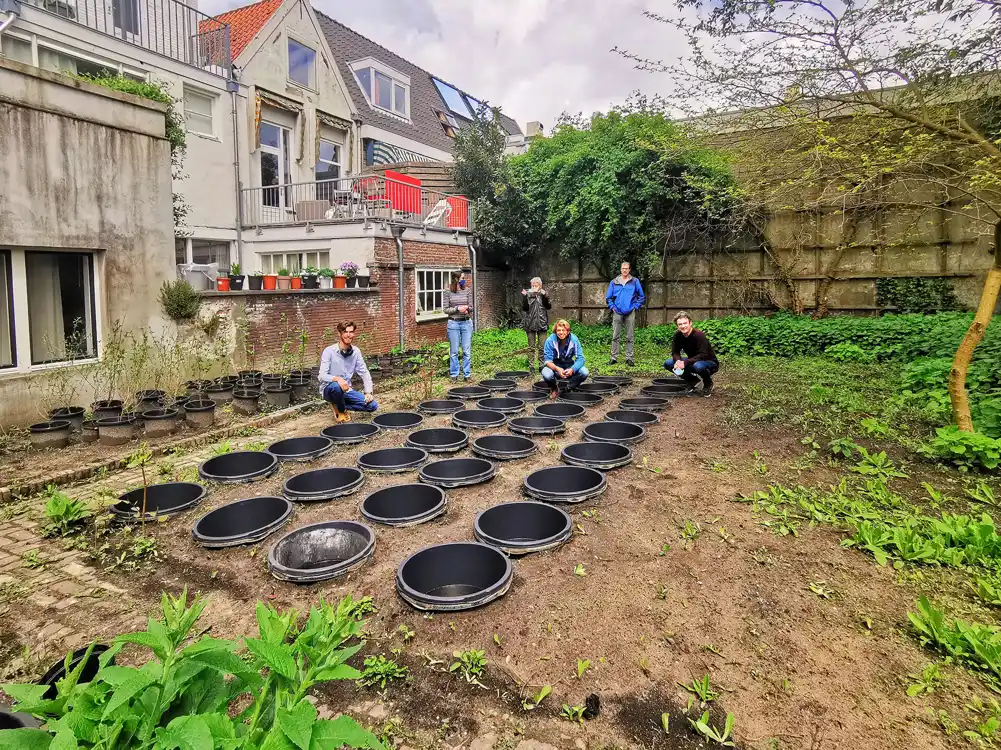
{"x": 245, "y": 22}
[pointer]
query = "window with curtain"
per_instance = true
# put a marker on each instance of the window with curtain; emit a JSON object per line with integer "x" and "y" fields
{"x": 210, "y": 251}
{"x": 61, "y": 322}
{"x": 6, "y": 312}
{"x": 431, "y": 284}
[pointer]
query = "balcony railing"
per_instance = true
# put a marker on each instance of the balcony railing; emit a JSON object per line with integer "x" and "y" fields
{"x": 352, "y": 199}
{"x": 167, "y": 27}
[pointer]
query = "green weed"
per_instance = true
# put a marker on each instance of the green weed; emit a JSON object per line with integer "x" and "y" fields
{"x": 469, "y": 665}
{"x": 378, "y": 670}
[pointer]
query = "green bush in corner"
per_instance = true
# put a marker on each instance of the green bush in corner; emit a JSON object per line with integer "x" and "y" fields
{"x": 179, "y": 300}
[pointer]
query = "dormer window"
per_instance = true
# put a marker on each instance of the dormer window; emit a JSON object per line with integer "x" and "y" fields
{"x": 384, "y": 88}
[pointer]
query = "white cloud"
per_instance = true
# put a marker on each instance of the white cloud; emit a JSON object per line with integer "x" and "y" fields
{"x": 534, "y": 58}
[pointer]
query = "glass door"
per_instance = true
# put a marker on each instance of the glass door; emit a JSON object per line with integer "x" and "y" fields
{"x": 275, "y": 173}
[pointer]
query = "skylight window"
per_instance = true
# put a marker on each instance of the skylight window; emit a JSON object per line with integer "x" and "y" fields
{"x": 453, "y": 99}
{"x": 384, "y": 88}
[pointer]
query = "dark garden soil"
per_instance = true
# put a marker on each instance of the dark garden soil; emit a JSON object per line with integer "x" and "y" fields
{"x": 796, "y": 670}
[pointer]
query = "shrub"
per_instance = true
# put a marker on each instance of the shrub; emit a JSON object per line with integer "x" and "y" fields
{"x": 967, "y": 450}
{"x": 845, "y": 352}
{"x": 179, "y": 300}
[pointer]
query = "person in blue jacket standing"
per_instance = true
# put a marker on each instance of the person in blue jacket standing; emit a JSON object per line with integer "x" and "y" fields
{"x": 564, "y": 360}
{"x": 625, "y": 296}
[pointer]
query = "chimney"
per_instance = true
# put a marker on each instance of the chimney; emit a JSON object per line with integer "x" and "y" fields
{"x": 533, "y": 129}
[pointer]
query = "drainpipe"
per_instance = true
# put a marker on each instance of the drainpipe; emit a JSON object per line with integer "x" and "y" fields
{"x": 398, "y": 236}
{"x": 11, "y": 17}
{"x": 232, "y": 86}
{"x": 473, "y": 243}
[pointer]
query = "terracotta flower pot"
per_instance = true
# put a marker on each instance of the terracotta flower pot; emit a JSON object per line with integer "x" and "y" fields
{"x": 284, "y": 282}
{"x": 340, "y": 282}
{"x": 270, "y": 281}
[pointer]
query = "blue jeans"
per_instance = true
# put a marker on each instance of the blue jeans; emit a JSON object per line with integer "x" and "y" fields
{"x": 555, "y": 381}
{"x": 702, "y": 369}
{"x": 351, "y": 401}
{"x": 460, "y": 332}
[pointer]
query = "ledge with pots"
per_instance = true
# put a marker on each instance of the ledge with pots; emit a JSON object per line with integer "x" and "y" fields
{"x": 272, "y": 292}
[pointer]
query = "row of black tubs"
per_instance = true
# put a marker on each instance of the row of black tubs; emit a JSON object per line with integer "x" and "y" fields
{"x": 425, "y": 579}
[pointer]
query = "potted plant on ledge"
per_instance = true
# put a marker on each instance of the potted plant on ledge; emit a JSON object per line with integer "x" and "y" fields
{"x": 284, "y": 280}
{"x": 340, "y": 279}
{"x": 350, "y": 272}
{"x": 236, "y": 277}
{"x": 222, "y": 282}
{"x": 296, "y": 280}
{"x": 255, "y": 281}
{"x": 310, "y": 277}
{"x": 326, "y": 278}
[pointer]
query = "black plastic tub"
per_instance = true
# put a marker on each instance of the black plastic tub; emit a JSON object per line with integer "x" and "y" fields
{"x": 478, "y": 419}
{"x": 398, "y": 420}
{"x": 601, "y": 389}
{"x": 564, "y": 484}
{"x": 161, "y": 500}
{"x": 241, "y": 466}
{"x": 405, "y": 504}
{"x": 505, "y": 405}
{"x": 584, "y": 399}
{"x": 666, "y": 391}
{"x": 351, "y": 433}
{"x": 537, "y": 425}
{"x": 504, "y": 447}
{"x": 146, "y": 400}
{"x": 541, "y": 385}
{"x": 58, "y": 670}
{"x": 645, "y": 403}
{"x": 243, "y": 522}
{"x": 11, "y": 719}
{"x": 512, "y": 374}
{"x": 528, "y": 396}
{"x": 469, "y": 393}
{"x": 221, "y": 393}
{"x": 603, "y": 456}
{"x": 323, "y": 484}
{"x": 522, "y": 527}
{"x": 620, "y": 433}
{"x": 560, "y": 410}
{"x": 455, "y": 576}
{"x": 109, "y": 407}
{"x": 622, "y": 381}
{"x": 458, "y": 472}
{"x": 393, "y": 460}
{"x": 441, "y": 406}
{"x": 321, "y": 551}
{"x": 160, "y": 422}
{"x": 498, "y": 385}
{"x": 439, "y": 440}
{"x": 301, "y": 448}
{"x": 633, "y": 416}
{"x": 671, "y": 381}
{"x": 71, "y": 414}
{"x": 197, "y": 386}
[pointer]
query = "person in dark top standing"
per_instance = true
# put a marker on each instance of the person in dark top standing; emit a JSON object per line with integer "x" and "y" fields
{"x": 699, "y": 360}
{"x": 535, "y": 304}
{"x": 457, "y": 303}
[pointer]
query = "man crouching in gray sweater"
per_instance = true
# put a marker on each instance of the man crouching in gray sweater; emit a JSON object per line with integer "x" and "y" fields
{"x": 341, "y": 362}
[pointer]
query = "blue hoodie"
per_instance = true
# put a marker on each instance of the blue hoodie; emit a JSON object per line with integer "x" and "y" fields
{"x": 574, "y": 350}
{"x": 623, "y": 298}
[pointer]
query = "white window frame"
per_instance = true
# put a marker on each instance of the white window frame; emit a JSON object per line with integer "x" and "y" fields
{"x": 396, "y": 79}
{"x": 446, "y": 278}
{"x": 303, "y": 259}
{"x": 340, "y": 152}
{"x": 38, "y": 42}
{"x": 21, "y": 317}
{"x": 289, "y": 40}
{"x": 211, "y": 98}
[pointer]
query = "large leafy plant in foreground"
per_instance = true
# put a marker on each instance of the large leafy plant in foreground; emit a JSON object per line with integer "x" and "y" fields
{"x": 205, "y": 693}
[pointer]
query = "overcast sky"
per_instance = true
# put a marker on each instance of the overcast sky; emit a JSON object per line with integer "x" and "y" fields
{"x": 533, "y": 58}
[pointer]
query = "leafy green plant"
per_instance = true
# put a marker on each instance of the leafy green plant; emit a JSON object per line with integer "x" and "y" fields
{"x": 843, "y": 447}
{"x": 197, "y": 692}
{"x": 222, "y": 448}
{"x": 876, "y": 464}
{"x": 701, "y": 689}
{"x": 63, "y": 513}
{"x": 691, "y": 531}
{"x": 469, "y": 664}
{"x": 580, "y": 570}
{"x": 821, "y": 589}
{"x": 179, "y": 300}
{"x": 533, "y": 702}
{"x": 572, "y": 713}
{"x": 582, "y": 666}
{"x": 406, "y": 633}
{"x": 720, "y": 736}
{"x": 378, "y": 670}
{"x": 926, "y": 682}
{"x": 967, "y": 450}
{"x": 32, "y": 560}
{"x": 972, "y": 644}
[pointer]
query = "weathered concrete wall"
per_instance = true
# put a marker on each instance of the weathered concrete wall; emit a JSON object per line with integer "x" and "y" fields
{"x": 84, "y": 168}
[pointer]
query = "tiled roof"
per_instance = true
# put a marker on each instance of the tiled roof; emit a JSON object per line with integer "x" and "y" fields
{"x": 424, "y": 127}
{"x": 245, "y": 22}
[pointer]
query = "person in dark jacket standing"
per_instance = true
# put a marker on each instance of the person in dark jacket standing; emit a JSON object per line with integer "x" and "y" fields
{"x": 625, "y": 296}
{"x": 457, "y": 303}
{"x": 535, "y": 303}
{"x": 699, "y": 360}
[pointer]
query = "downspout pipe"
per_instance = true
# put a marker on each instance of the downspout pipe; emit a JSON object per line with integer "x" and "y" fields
{"x": 398, "y": 236}
{"x": 233, "y": 87}
{"x": 473, "y": 242}
{"x": 11, "y": 17}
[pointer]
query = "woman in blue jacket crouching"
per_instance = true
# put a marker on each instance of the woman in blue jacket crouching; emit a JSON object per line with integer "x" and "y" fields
{"x": 564, "y": 360}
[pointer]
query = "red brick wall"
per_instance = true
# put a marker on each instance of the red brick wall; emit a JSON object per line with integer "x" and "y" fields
{"x": 375, "y": 311}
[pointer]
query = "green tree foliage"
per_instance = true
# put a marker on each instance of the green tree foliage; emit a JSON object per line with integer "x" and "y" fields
{"x": 623, "y": 185}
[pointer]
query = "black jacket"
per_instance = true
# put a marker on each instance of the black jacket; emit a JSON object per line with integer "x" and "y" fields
{"x": 535, "y": 305}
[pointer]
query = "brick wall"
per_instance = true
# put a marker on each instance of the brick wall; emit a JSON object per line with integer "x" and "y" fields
{"x": 374, "y": 310}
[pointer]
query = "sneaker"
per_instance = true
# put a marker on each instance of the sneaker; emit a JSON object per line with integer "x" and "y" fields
{"x": 707, "y": 390}
{"x": 454, "y": 380}
{"x": 630, "y": 363}
{"x": 612, "y": 361}
{"x": 553, "y": 394}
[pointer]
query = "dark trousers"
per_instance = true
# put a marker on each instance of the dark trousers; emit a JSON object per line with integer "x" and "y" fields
{"x": 536, "y": 340}
{"x": 702, "y": 369}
